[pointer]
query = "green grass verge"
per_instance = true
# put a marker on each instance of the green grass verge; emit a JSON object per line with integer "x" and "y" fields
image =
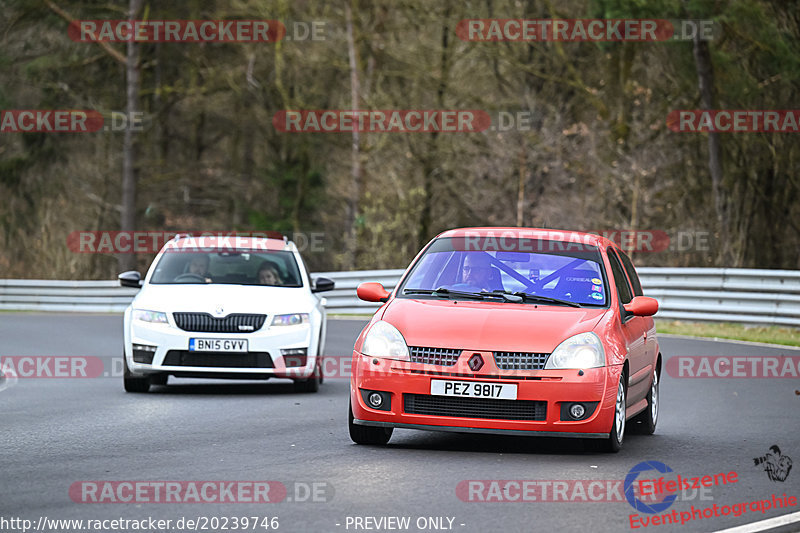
{"x": 770, "y": 334}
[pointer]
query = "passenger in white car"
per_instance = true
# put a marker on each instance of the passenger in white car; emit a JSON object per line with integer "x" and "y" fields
{"x": 268, "y": 274}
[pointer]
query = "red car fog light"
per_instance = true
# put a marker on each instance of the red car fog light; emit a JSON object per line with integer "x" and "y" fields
{"x": 294, "y": 357}
{"x": 574, "y": 411}
{"x": 376, "y": 399}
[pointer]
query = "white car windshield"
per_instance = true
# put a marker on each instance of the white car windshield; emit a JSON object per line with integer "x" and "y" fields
{"x": 240, "y": 267}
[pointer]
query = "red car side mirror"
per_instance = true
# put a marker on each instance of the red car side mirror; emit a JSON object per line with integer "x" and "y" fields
{"x": 642, "y": 306}
{"x": 372, "y": 292}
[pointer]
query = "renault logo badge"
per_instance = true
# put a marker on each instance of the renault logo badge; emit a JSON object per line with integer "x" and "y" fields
{"x": 475, "y": 362}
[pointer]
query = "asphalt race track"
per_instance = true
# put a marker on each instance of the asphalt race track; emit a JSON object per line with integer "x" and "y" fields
{"x": 57, "y": 432}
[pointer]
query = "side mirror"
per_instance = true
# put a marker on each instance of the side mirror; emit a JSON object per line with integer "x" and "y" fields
{"x": 372, "y": 292}
{"x": 131, "y": 278}
{"x": 322, "y": 285}
{"x": 642, "y": 306}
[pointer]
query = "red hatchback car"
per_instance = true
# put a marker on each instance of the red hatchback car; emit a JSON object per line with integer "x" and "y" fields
{"x": 511, "y": 331}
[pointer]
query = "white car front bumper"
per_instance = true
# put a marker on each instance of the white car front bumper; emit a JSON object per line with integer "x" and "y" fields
{"x": 265, "y": 356}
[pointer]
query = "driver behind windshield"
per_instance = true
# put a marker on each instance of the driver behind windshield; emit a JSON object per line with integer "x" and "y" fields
{"x": 476, "y": 272}
{"x": 199, "y": 267}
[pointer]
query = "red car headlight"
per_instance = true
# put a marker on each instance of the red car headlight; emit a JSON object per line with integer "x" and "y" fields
{"x": 384, "y": 340}
{"x": 583, "y": 350}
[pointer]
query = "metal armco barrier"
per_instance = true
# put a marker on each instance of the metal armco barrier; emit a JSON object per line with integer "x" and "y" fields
{"x": 748, "y": 296}
{"x": 705, "y": 294}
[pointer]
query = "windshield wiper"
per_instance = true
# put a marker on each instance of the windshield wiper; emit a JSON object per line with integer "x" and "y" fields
{"x": 507, "y": 296}
{"x": 537, "y": 298}
{"x": 441, "y": 291}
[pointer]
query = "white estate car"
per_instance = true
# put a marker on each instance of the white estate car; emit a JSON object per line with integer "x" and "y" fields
{"x": 225, "y": 307}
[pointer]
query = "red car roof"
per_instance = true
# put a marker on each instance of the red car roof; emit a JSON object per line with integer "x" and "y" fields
{"x": 530, "y": 233}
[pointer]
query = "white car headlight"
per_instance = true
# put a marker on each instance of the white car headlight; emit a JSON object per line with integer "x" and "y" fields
{"x": 579, "y": 351}
{"x": 383, "y": 340}
{"x": 144, "y": 315}
{"x": 294, "y": 319}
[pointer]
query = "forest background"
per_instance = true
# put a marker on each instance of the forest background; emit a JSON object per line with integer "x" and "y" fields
{"x": 594, "y": 154}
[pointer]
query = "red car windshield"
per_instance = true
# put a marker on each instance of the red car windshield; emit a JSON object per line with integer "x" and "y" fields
{"x": 565, "y": 271}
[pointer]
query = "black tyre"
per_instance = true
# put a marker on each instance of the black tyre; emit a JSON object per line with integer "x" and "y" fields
{"x": 647, "y": 419}
{"x": 367, "y": 434}
{"x": 311, "y": 384}
{"x": 134, "y": 383}
{"x": 159, "y": 379}
{"x": 615, "y": 437}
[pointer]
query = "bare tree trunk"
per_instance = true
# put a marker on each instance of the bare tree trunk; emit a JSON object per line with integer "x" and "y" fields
{"x": 128, "y": 218}
{"x": 705, "y": 80}
{"x": 521, "y": 188}
{"x": 431, "y": 165}
{"x": 634, "y": 223}
{"x": 355, "y": 181}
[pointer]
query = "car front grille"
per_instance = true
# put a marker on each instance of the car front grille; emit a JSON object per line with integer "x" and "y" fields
{"x": 218, "y": 359}
{"x": 485, "y": 408}
{"x": 520, "y": 360}
{"x": 434, "y": 356}
{"x": 203, "y": 322}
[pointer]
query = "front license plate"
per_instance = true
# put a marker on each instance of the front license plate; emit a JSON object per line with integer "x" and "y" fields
{"x": 473, "y": 389}
{"x": 217, "y": 345}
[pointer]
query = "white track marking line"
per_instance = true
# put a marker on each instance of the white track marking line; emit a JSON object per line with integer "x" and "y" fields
{"x": 731, "y": 341}
{"x": 763, "y": 525}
